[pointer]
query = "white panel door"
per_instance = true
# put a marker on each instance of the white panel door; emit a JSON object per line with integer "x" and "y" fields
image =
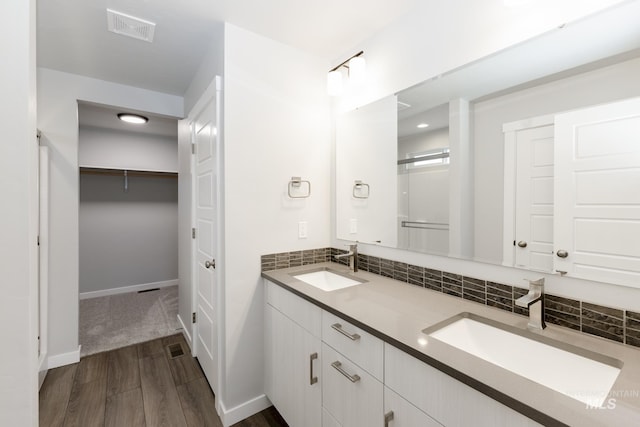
{"x": 533, "y": 237}
{"x": 597, "y": 193}
{"x": 204, "y": 131}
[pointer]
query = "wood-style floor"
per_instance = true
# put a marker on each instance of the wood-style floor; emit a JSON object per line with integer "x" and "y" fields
{"x": 140, "y": 385}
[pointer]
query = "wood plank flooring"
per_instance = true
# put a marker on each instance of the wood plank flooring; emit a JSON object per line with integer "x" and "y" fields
{"x": 137, "y": 386}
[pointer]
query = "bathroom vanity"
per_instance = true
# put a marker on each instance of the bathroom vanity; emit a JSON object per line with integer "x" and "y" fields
{"x": 364, "y": 355}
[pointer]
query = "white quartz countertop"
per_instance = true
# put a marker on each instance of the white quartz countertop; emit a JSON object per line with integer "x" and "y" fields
{"x": 397, "y": 313}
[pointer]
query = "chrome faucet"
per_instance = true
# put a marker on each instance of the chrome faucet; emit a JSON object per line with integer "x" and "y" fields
{"x": 353, "y": 257}
{"x": 534, "y": 301}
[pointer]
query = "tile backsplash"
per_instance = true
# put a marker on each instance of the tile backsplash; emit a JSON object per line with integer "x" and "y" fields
{"x": 611, "y": 323}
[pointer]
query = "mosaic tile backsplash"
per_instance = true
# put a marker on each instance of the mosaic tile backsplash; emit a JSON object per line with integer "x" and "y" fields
{"x": 614, "y": 324}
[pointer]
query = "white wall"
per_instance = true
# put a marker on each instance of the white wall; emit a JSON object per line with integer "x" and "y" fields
{"x": 114, "y": 149}
{"x": 58, "y": 95}
{"x": 276, "y": 126}
{"x": 608, "y": 84}
{"x": 185, "y": 292}
{"x": 212, "y": 65}
{"x": 412, "y": 50}
{"x": 18, "y": 217}
{"x": 127, "y": 238}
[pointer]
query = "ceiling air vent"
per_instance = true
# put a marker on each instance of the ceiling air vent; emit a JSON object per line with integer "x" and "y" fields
{"x": 130, "y": 26}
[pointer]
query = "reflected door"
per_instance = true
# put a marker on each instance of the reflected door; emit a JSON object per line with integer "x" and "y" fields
{"x": 534, "y": 199}
{"x": 597, "y": 193}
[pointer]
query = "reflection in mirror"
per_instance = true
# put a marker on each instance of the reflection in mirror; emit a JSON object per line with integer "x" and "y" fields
{"x": 423, "y": 178}
{"x": 461, "y": 208}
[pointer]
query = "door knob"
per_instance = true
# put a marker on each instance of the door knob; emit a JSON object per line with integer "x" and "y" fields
{"x": 562, "y": 253}
{"x": 522, "y": 244}
{"x": 210, "y": 264}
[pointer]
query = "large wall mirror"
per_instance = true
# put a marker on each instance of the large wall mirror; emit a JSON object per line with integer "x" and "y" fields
{"x": 504, "y": 160}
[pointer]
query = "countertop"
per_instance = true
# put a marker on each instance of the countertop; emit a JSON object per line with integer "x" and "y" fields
{"x": 397, "y": 313}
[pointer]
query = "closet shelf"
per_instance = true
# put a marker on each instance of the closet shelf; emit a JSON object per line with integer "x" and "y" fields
{"x": 130, "y": 172}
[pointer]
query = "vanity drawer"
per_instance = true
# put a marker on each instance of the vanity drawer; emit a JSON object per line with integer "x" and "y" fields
{"x": 359, "y": 346}
{"x": 350, "y": 395}
{"x": 295, "y": 308}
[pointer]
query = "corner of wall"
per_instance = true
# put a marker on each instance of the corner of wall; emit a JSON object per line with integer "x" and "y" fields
{"x": 212, "y": 64}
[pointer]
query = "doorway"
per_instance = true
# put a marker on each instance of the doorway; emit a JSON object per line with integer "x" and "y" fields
{"x": 128, "y": 228}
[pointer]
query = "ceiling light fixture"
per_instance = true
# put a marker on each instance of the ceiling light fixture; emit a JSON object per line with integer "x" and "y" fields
{"x": 133, "y": 118}
{"x": 356, "y": 67}
{"x": 423, "y": 125}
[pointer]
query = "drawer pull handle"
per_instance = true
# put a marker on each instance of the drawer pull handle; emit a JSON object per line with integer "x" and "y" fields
{"x": 338, "y": 327}
{"x": 353, "y": 378}
{"x": 388, "y": 417}
{"x": 312, "y": 379}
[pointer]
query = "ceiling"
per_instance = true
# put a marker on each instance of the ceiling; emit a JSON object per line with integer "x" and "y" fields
{"x": 72, "y": 35}
{"x": 100, "y": 116}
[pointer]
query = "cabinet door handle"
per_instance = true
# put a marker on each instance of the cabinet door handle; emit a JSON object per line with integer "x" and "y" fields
{"x": 522, "y": 244}
{"x": 388, "y": 417}
{"x": 312, "y": 379}
{"x": 353, "y": 378}
{"x": 562, "y": 253}
{"x": 338, "y": 327}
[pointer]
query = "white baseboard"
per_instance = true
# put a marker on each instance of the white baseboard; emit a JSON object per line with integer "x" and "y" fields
{"x": 63, "y": 359}
{"x": 236, "y": 414}
{"x": 185, "y": 332}
{"x": 127, "y": 289}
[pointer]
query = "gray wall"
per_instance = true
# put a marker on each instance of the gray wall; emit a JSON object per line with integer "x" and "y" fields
{"x": 127, "y": 238}
{"x": 111, "y": 148}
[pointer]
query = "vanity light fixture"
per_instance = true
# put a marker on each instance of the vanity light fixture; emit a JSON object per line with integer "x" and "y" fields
{"x": 135, "y": 119}
{"x": 423, "y": 125}
{"x": 356, "y": 68}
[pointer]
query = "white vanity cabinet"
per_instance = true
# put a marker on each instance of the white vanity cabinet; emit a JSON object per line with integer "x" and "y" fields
{"x": 293, "y": 357}
{"x": 321, "y": 370}
{"x": 445, "y": 399}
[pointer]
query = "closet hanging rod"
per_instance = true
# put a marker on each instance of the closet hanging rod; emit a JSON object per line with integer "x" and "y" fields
{"x": 130, "y": 172}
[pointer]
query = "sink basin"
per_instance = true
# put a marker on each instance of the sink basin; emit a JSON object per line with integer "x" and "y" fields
{"x": 578, "y": 373}
{"x": 328, "y": 280}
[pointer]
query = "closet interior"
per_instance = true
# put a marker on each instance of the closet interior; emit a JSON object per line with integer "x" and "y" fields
{"x": 128, "y": 257}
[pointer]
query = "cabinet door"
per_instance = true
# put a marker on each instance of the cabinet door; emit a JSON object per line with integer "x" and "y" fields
{"x": 292, "y": 370}
{"x": 400, "y": 413}
{"x": 445, "y": 399}
{"x": 353, "y": 397}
